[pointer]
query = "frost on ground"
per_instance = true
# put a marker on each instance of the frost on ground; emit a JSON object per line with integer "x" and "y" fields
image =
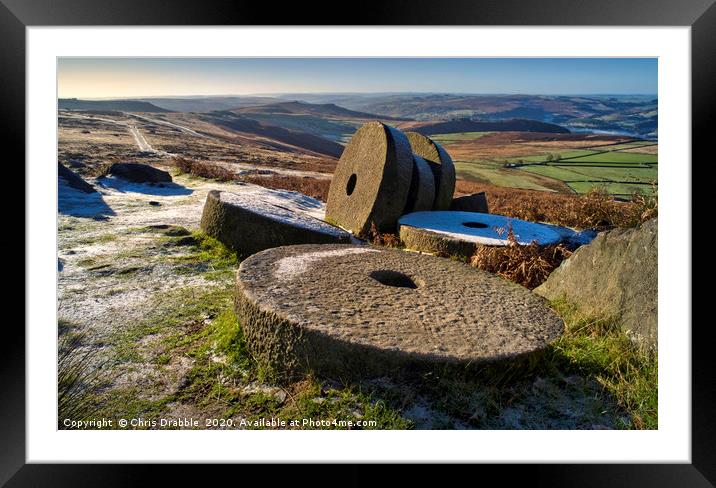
{"x": 119, "y": 271}
{"x": 138, "y": 291}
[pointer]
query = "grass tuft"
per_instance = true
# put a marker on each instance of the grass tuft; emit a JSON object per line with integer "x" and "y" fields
{"x": 596, "y": 347}
{"x": 80, "y": 378}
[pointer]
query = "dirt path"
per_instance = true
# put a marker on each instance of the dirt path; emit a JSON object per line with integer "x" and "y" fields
{"x": 169, "y": 124}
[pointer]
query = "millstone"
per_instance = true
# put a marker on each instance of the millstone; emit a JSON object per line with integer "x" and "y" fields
{"x": 441, "y": 164}
{"x": 372, "y": 180}
{"x": 422, "y": 187}
{"x": 461, "y": 233}
{"x": 477, "y": 202}
{"x": 351, "y": 311}
{"x": 249, "y": 225}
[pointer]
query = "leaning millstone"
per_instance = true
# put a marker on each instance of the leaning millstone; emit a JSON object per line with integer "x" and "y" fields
{"x": 248, "y": 225}
{"x": 357, "y": 311}
{"x": 477, "y": 202}
{"x": 372, "y": 180}
{"x": 422, "y": 187}
{"x": 461, "y": 233}
{"x": 441, "y": 164}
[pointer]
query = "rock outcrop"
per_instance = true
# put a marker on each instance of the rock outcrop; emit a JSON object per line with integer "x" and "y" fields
{"x": 139, "y": 173}
{"x": 73, "y": 179}
{"x": 477, "y": 202}
{"x": 615, "y": 275}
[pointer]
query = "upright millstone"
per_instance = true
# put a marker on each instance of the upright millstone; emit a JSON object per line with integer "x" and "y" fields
{"x": 441, "y": 164}
{"x": 422, "y": 187}
{"x": 372, "y": 180}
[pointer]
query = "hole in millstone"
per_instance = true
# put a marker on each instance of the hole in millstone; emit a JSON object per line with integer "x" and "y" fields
{"x": 351, "y": 184}
{"x": 475, "y": 225}
{"x": 393, "y": 278}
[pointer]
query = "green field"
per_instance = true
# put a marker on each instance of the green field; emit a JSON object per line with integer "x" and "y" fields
{"x": 578, "y": 170}
{"x": 458, "y": 136}
{"x": 495, "y": 174}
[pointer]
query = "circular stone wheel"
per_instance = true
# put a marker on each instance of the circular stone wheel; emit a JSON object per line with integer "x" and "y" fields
{"x": 422, "y": 187}
{"x": 359, "y": 311}
{"x": 461, "y": 233}
{"x": 441, "y": 164}
{"x": 372, "y": 180}
{"x": 248, "y": 225}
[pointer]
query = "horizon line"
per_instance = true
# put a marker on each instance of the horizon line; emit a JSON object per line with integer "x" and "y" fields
{"x": 274, "y": 94}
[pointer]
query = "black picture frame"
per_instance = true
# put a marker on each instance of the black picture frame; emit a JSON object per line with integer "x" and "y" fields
{"x": 700, "y": 15}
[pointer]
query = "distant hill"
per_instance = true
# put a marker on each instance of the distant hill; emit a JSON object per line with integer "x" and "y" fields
{"x": 468, "y": 125}
{"x": 240, "y": 123}
{"x": 208, "y": 104}
{"x": 319, "y": 110}
{"x": 108, "y": 105}
{"x": 632, "y": 115}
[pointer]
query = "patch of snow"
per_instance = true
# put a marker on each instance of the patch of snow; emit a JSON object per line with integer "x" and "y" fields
{"x": 273, "y": 206}
{"x": 289, "y": 267}
{"x": 494, "y": 232}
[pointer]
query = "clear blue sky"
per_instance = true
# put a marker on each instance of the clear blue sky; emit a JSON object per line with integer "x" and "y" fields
{"x": 141, "y": 77}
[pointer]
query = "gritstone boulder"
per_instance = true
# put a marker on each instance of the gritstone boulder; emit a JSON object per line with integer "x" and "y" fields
{"x": 139, "y": 173}
{"x": 477, "y": 202}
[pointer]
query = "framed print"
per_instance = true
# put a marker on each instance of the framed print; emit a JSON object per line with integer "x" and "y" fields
{"x": 430, "y": 231}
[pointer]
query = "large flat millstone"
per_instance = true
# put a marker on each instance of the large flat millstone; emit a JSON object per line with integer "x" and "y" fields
{"x": 440, "y": 163}
{"x": 461, "y": 233}
{"x": 248, "y": 225}
{"x": 372, "y": 180}
{"x": 360, "y": 311}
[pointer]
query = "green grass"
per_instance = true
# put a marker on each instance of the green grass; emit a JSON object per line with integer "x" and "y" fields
{"x": 617, "y": 157}
{"x": 496, "y": 175}
{"x": 593, "y": 375}
{"x": 577, "y": 172}
{"x": 594, "y": 346}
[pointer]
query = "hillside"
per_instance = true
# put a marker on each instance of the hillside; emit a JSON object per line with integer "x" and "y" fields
{"x": 320, "y": 110}
{"x": 208, "y": 104}
{"x": 468, "y": 125}
{"x": 108, "y": 105}
{"x": 632, "y": 115}
{"x": 304, "y": 140}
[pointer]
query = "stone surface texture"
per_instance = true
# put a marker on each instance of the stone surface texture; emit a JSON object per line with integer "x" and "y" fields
{"x": 248, "y": 224}
{"x": 441, "y": 164}
{"x": 422, "y": 187}
{"x": 73, "y": 179}
{"x": 372, "y": 180}
{"x": 615, "y": 275}
{"x": 350, "y": 310}
{"x": 477, "y": 202}
{"x": 139, "y": 173}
